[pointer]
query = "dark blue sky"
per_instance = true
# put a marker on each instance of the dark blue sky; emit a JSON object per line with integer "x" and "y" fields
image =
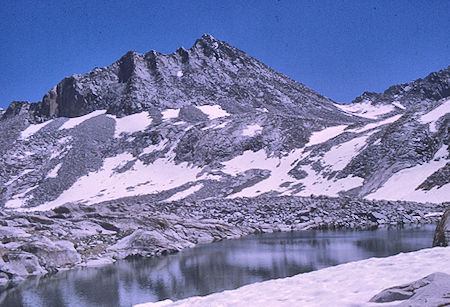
{"x": 338, "y": 48}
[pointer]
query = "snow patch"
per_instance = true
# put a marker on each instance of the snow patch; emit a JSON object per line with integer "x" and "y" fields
{"x": 316, "y": 184}
{"x": 340, "y": 155}
{"x": 248, "y": 160}
{"x": 222, "y": 125}
{"x": 402, "y": 185}
{"x": 73, "y": 122}
{"x": 107, "y": 184}
{"x": 279, "y": 169}
{"x": 185, "y": 193}
{"x": 325, "y": 135}
{"x": 54, "y": 172}
{"x": 170, "y": 113}
{"x": 19, "y": 200}
{"x": 252, "y": 130}
{"x": 433, "y": 116}
{"x": 377, "y": 124}
{"x": 399, "y": 105}
{"x": 213, "y": 111}
{"x": 366, "y": 109}
{"x": 350, "y": 284}
{"x": 153, "y": 148}
{"x": 131, "y": 123}
{"x": 179, "y": 73}
{"x": 14, "y": 178}
{"x": 32, "y": 129}
{"x": 216, "y": 126}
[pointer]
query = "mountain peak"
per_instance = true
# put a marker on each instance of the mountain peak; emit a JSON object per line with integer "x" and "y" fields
{"x": 210, "y": 72}
{"x": 207, "y": 39}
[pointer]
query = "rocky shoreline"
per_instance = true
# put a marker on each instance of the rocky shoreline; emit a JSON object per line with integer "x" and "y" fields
{"x": 43, "y": 243}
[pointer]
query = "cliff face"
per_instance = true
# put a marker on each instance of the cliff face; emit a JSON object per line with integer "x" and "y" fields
{"x": 442, "y": 233}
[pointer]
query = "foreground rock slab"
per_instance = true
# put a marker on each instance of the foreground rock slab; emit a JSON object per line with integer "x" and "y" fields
{"x": 432, "y": 290}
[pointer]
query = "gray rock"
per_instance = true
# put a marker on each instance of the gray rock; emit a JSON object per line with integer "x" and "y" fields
{"x": 52, "y": 254}
{"x": 143, "y": 243}
{"x": 430, "y": 291}
{"x": 442, "y": 232}
{"x": 18, "y": 264}
{"x": 376, "y": 216}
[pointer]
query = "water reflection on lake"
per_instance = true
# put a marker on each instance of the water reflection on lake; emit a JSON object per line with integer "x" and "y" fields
{"x": 214, "y": 267}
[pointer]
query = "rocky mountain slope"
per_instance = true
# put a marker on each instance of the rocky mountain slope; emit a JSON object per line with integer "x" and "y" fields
{"x": 212, "y": 122}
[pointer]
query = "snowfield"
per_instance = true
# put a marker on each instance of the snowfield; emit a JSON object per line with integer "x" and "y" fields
{"x": 325, "y": 135}
{"x": 366, "y": 109}
{"x": 32, "y": 129}
{"x": 350, "y": 284}
{"x": 403, "y": 184}
{"x": 73, "y": 122}
{"x": 131, "y": 123}
{"x": 107, "y": 183}
{"x": 433, "y": 116}
{"x": 213, "y": 111}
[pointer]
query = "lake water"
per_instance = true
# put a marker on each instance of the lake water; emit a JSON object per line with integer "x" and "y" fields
{"x": 214, "y": 267}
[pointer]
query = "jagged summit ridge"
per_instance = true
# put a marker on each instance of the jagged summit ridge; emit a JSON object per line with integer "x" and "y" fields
{"x": 210, "y": 72}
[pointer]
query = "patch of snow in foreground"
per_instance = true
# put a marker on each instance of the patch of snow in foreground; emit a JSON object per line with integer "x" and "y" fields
{"x": 251, "y": 130}
{"x": 325, "y": 135}
{"x": 131, "y": 123}
{"x": 402, "y": 185}
{"x": 32, "y": 129}
{"x": 366, "y": 109}
{"x": 73, "y": 122}
{"x": 350, "y": 284}
{"x": 434, "y": 115}
{"x": 214, "y": 111}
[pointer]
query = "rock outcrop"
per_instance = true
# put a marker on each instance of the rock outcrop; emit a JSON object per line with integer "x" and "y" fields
{"x": 442, "y": 233}
{"x": 429, "y": 291}
{"x": 433, "y": 87}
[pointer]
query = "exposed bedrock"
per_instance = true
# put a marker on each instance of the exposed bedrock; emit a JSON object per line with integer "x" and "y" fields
{"x": 40, "y": 243}
{"x": 442, "y": 234}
